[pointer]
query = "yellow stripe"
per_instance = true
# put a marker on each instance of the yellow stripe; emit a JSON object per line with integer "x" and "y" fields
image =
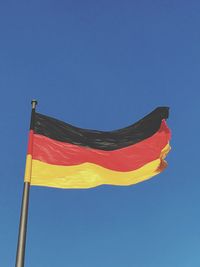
{"x": 88, "y": 175}
{"x": 27, "y": 175}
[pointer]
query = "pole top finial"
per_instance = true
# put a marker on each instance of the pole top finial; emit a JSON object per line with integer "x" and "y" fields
{"x": 34, "y": 103}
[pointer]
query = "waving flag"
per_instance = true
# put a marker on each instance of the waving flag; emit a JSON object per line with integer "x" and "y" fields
{"x": 63, "y": 156}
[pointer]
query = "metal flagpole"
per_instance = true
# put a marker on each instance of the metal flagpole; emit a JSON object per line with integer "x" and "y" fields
{"x": 25, "y": 199}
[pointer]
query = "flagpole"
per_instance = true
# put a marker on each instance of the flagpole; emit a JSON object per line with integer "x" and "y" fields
{"x": 20, "y": 255}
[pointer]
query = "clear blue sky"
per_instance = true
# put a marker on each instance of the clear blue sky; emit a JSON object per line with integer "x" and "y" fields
{"x": 102, "y": 65}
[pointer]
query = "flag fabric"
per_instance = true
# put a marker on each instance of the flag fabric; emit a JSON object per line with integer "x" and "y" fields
{"x": 63, "y": 156}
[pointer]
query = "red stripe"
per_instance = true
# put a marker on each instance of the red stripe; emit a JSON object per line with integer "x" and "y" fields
{"x": 30, "y": 143}
{"x": 124, "y": 159}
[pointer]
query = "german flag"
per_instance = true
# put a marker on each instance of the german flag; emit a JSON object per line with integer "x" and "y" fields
{"x": 63, "y": 156}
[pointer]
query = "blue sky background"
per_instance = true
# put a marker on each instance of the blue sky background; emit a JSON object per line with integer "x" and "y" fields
{"x": 102, "y": 65}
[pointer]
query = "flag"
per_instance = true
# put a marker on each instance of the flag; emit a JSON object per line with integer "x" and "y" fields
{"x": 63, "y": 156}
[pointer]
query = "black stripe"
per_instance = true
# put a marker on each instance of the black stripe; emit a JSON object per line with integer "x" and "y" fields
{"x": 32, "y": 119}
{"x": 112, "y": 140}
